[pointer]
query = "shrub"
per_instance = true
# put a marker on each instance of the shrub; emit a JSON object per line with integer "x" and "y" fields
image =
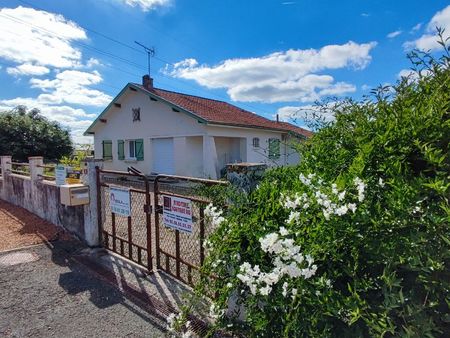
{"x": 355, "y": 241}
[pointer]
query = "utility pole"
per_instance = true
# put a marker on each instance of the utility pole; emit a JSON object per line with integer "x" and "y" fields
{"x": 150, "y": 53}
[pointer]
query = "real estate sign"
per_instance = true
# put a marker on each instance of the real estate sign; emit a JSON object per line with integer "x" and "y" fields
{"x": 119, "y": 201}
{"x": 60, "y": 175}
{"x": 177, "y": 213}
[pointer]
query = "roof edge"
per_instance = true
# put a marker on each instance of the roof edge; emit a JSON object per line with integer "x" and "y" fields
{"x": 256, "y": 127}
{"x": 88, "y": 131}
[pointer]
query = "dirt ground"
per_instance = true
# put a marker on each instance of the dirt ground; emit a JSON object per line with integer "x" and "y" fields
{"x": 20, "y": 228}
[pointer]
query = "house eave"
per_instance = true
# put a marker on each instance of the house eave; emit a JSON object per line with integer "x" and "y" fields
{"x": 246, "y": 126}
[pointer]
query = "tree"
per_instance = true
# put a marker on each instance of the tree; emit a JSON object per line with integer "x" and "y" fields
{"x": 27, "y": 133}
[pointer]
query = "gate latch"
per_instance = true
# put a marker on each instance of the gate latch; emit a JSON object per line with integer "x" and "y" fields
{"x": 148, "y": 209}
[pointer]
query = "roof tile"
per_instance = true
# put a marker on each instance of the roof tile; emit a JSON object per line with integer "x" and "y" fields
{"x": 221, "y": 112}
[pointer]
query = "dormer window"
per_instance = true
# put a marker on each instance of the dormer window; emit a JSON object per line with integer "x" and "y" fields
{"x": 256, "y": 142}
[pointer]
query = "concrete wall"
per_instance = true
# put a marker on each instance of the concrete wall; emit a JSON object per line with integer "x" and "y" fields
{"x": 43, "y": 199}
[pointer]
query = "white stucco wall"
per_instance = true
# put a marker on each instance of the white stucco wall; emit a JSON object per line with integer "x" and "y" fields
{"x": 199, "y": 150}
{"x": 157, "y": 121}
{"x": 256, "y": 155}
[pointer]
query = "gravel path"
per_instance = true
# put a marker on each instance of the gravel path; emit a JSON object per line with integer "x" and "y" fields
{"x": 20, "y": 228}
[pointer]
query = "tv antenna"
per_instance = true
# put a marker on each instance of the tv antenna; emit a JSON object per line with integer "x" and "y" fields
{"x": 150, "y": 53}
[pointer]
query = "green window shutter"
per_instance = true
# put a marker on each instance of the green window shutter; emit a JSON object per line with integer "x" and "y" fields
{"x": 120, "y": 149}
{"x": 107, "y": 150}
{"x": 139, "y": 144}
{"x": 274, "y": 148}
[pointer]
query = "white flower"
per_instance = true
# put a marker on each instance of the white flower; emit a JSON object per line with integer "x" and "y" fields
{"x": 360, "y": 186}
{"x": 187, "y": 334}
{"x": 341, "y": 195}
{"x": 328, "y": 283}
{"x": 294, "y": 293}
{"x": 214, "y": 215}
{"x": 229, "y": 285}
{"x": 352, "y": 207}
{"x": 284, "y": 231}
{"x": 294, "y": 216}
{"x": 265, "y": 290}
{"x": 284, "y": 292}
{"x": 341, "y": 210}
{"x": 381, "y": 182}
{"x": 215, "y": 312}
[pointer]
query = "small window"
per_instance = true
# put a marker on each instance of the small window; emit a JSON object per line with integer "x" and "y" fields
{"x": 274, "y": 148}
{"x": 255, "y": 142}
{"x": 107, "y": 150}
{"x": 132, "y": 149}
{"x": 135, "y": 150}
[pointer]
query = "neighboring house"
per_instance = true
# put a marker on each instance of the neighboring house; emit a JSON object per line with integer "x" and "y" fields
{"x": 160, "y": 131}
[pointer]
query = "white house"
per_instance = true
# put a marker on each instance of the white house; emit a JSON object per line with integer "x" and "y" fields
{"x": 160, "y": 131}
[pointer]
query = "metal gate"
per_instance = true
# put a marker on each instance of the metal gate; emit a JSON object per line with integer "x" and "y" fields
{"x": 178, "y": 253}
{"x": 127, "y": 236}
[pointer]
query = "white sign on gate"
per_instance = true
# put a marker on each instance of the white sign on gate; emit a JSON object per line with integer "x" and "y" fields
{"x": 119, "y": 201}
{"x": 177, "y": 213}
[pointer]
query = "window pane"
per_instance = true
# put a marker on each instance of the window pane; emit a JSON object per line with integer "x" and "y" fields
{"x": 132, "y": 149}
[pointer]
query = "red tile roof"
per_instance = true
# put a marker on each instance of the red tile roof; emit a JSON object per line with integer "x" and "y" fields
{"x": 219, "y": 112}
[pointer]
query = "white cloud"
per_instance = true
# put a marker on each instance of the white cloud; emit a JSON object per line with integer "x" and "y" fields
{"x": 147, "y": 5}
{"x": 365, "y": 15}
{"x": 394, "y": 34}
{"x": 27, "y": 69}
{"x": 416, "y": 27}
{"x": 280, "y": 77}
{"x": 71, "y": 86}
{"x": 295, "y": 113}
{"x": 40, "y": 38}
{"x": 428, "y": 41}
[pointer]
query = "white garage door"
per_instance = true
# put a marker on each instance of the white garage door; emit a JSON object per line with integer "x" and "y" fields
{"x": 163, "y": 161}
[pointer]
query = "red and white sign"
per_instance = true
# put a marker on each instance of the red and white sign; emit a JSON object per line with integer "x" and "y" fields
{"x": 177, "y": 213}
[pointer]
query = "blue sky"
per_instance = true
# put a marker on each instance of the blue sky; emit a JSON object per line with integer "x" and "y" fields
{"x": 70, "y": 58}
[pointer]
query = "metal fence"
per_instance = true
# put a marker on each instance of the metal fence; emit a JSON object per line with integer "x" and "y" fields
{"x": 143, "y": 237}
{"x": 180, "y": 253}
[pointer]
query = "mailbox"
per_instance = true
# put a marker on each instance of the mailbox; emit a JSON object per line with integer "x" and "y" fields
{"x": 74, "y": 194}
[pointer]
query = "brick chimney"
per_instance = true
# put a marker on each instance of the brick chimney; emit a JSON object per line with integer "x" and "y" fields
{"x": 147, "y": 82}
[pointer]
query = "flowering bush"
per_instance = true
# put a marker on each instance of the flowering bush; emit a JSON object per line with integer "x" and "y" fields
{"x": 355, "y": 241}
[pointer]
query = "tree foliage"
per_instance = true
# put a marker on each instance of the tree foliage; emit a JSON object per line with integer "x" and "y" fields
{"x": 24, "y": 134}
{"x": 379, "y": 253}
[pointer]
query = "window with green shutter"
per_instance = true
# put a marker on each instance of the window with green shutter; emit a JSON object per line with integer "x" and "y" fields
{"x": 274, "y": 148}
{"x": 139, "y": 146}
{"x": 120, "y": 149}
{"x": 107, "y": 150}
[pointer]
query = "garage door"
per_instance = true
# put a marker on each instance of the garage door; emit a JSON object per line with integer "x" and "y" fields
{"x": 163, "y": 161}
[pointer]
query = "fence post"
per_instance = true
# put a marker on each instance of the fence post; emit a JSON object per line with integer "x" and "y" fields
{"x": 6, "y": 170}
{"x": 35, "y": 170}
{"x": 91, "y": 226}
{"x": 35, "y": 175}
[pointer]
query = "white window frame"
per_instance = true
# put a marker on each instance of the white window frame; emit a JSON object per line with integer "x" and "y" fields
{"x": 127, "y": 149}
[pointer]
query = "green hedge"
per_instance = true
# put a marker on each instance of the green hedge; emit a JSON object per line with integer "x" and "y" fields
{"x": 305, "y": 259}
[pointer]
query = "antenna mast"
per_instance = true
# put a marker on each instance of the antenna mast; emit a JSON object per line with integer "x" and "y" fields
{"x": 150, "y": 53}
